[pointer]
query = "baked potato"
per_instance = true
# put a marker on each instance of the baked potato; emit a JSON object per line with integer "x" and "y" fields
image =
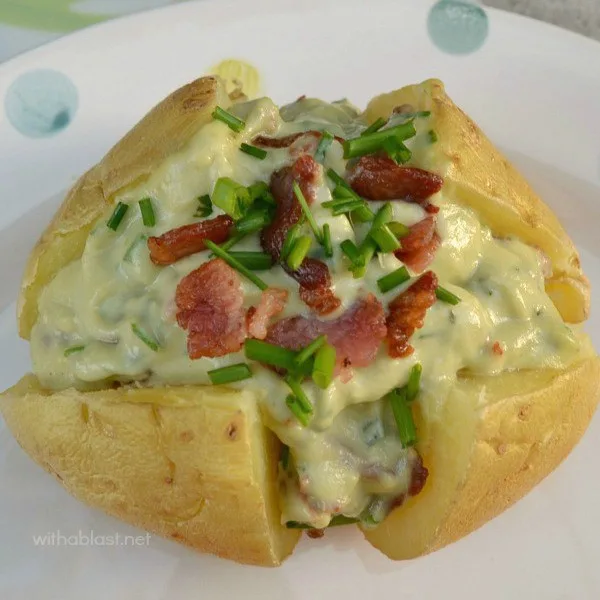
{"x": 248, "y": 321}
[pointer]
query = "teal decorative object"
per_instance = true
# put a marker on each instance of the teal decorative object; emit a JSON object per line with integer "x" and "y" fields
{"x": 41, "y": 103}
{"x": 457, "y": 27}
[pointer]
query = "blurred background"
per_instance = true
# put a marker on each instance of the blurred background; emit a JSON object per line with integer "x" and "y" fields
{"x": 25, "y": 24}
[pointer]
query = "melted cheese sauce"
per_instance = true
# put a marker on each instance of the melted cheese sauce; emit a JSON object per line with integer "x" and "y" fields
{"x": 349, "y": 459}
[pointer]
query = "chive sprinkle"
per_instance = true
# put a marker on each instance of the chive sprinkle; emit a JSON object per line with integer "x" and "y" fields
{"x": 147, "y": 210}
{"x": 253, "y": 221}
{"x": 296, "y": 387}
{"x": 260, "y": 191}
{"x": 324, "y": 366}
{"x": 117, "y": 216}
{"x": 433, "y": 136}
{"x": 296, "y": 409}
{"x": 205, "y": 207}
{"x": 369, "y": 246}
{"x": 231, "y": 197}
{"x": 309, "y": 350}
{"x": 232, "y": 241}
{"x": 284, "y": 457}
{"x": 145, "y": 337}
{"x": 254, "y": 151}
{"x": 385, "y": 239}
{"x": 229, "y": 374}
{"x": 375, "y": 126}
{"x": 73, "y": 350}
{"x": 397, "y": 151}
{"x": 273, "y": 355}
{"x": 391, "y": 280}
{"x": 290, "y": 240}
{"x": 230, "y": 120}
{"x": 403, "y": 417}
{"x": 446, "y": 296}
{"x": 255, "y": 261}
{"x": 327, "y": 246}
{"x": 349, "y": 248}
{"x": 236, "y": 264}
{"x": 414, "y": 381}
{"x": 324, "y": 143}
{"x": 308, "y": 214}
{"x": 367, "y": 144}
{"x": 363, "y": 214}
{"x": 398, "y": 229}
{"x": 298, "y": 252}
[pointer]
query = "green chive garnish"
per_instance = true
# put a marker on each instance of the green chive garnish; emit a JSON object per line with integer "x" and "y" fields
{"x": 403, "y": 416}
{"x": 391, "y": 280}
{"x": 375, "y": 126}
{"x": 397, "y": 151}
{"x": 254, "y": 151}
{"x": 309, "y": 350}
{"x": 343, "y": 206}
{"x": 367, "y": 144}
{"x": 369, "y": 246}
{"x": 236, "y": 264}
{"x": 230, "y": 120}
{"x": 341, "y": 192}
{"x": 325, "y": 142}
{"x": 385, "y": 239}
{"x": 296, "y": 409}
{"x": 290, "y": 240}
{"x": 327, "y": 246}
{"x": 284, "y": 457}
{"x": 117, "y": 216}
{"x": 363, "y": 214}
{"x": 324, "y": 366}
{"x": 398, "y": 229}
{"x": 145, "y": 337}
{"x": 230, "y": 374}
{"x": 298, "y": 252}
{"x": 260, "y": 191}
{"x": 296, "y": 387}
{"x": 445, "y": 296}
{"x": 338, "y": 180}
{"x": 73, "y": 350}
{"x": 231, "y": 197}
{"x": 232, "y": 241}
{"x": 433, "y": 136}
{"x": 414, "y": 381}
{"x": 147, "y": 210}
{"x": 275, "y": 356}
{"x": 253, "y": 221}
{"x": 349, "y": 248}
{"x": 205, "y": 207}
{"x": 307, "y": 213}
{"x": 255, "y": 261}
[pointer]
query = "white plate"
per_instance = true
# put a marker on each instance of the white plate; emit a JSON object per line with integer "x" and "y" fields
{"x": 536, "y": 91}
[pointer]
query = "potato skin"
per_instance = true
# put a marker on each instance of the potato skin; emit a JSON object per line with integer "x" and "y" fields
{"x": 189, "y": 463}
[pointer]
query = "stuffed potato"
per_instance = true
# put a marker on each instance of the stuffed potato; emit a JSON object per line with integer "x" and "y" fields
{"x": 247, "y": 321}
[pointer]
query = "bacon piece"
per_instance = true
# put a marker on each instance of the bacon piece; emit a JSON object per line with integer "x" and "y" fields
{"x": 313, "y": 275}
{"x": 379, "y": 178}
{"x": 356, "y": 334}
{"x": 420, "y": 245}
{"x": 497, "y": 349}
{"x": 189, "y": 239}
{"x": 287, "y": 140}
{"x": 210, "y": 307}
{"x": 407, "y": 313}
{"x": 272, "y": 302}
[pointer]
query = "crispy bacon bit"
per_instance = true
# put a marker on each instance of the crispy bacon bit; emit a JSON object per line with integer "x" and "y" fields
{"x": 272, "y": 302}
{"x": 210, "y": 307}
{"x": 432, "y": 209}
{"x": 497, "y": 349}
{"x": 356, "y": 335}
{"x": 313, "y": 275}
{"x": 287, "y": 140}
{"x": 315, "y": 534}
{"x": 189, "y": 239}
{"x": 418, "y": 477}
{"x": 379, "y": 178}
{"x": 420, "y": 245}
{"x": 407, "y": 313}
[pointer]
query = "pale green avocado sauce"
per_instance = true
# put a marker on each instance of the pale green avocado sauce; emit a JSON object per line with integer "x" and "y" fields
{"x": 349, "y": 460}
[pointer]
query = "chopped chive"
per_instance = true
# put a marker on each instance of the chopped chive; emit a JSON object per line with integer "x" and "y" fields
{"x": 230, "y": 374}
{"x": 398, "y": 229}
{"x": 270, "y": 354}
{"x": 445, "y": 296}
{"x": 231, "y": 197}
{"x": 232, "y": 241}
{"x": 383, "y": 216}
{"x": 307, "y": 213}
{"x": 363, "y": 214}
{"x": 326, "y": 140}
{"x": 290, "y": 240}
{"x": 414, "y": 381}
{"x": 284, "y": 457}
{"x": 117, "y": 216}
{"x": 296, "y": 409}
{"x": 397, "y": 151}
{"x": 375, "y": 126}
{"x": 147, "y": 210}
{"x": 403, "y": 417}
{"x": 327, "y": 246}
{"x": 385, "y": 239}
{"x": 254, "y": 151}
{"x": 367, "y": 144}
{"x": 309, "y": 350}
{"x": 346, "y": 206}
{"x": 394, "y": 279}
{"x": 299, "y": 251}
{"x": 146, "y": 338}
{"x": 236, "y": 264}
{"x": 337, "y": 179}
{"x": 260, "y": 191}
{"x": 342, "y": 193}
{"x": 230, "y": 120}
{"x": 296, "y": 387}
{"x": 433, "y": 136}
{"x": 324, "y": 366}
{"x": 73, "y": 350}
{"x": 253, "y": 221}
{"x": 349, "y": 248}
{"x": 206, "y": 208}
{"x": 255, "y": 261}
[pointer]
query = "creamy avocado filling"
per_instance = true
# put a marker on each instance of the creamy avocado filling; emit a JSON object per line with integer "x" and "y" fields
{"x": 110, "y": 316}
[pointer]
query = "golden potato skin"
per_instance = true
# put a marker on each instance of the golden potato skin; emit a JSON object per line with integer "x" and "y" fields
{"x": 479, "y": 176}
{"x": 188, "y": 463}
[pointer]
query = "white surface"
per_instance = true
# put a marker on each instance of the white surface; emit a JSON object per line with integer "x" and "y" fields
{"x": 537, "y": 97}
